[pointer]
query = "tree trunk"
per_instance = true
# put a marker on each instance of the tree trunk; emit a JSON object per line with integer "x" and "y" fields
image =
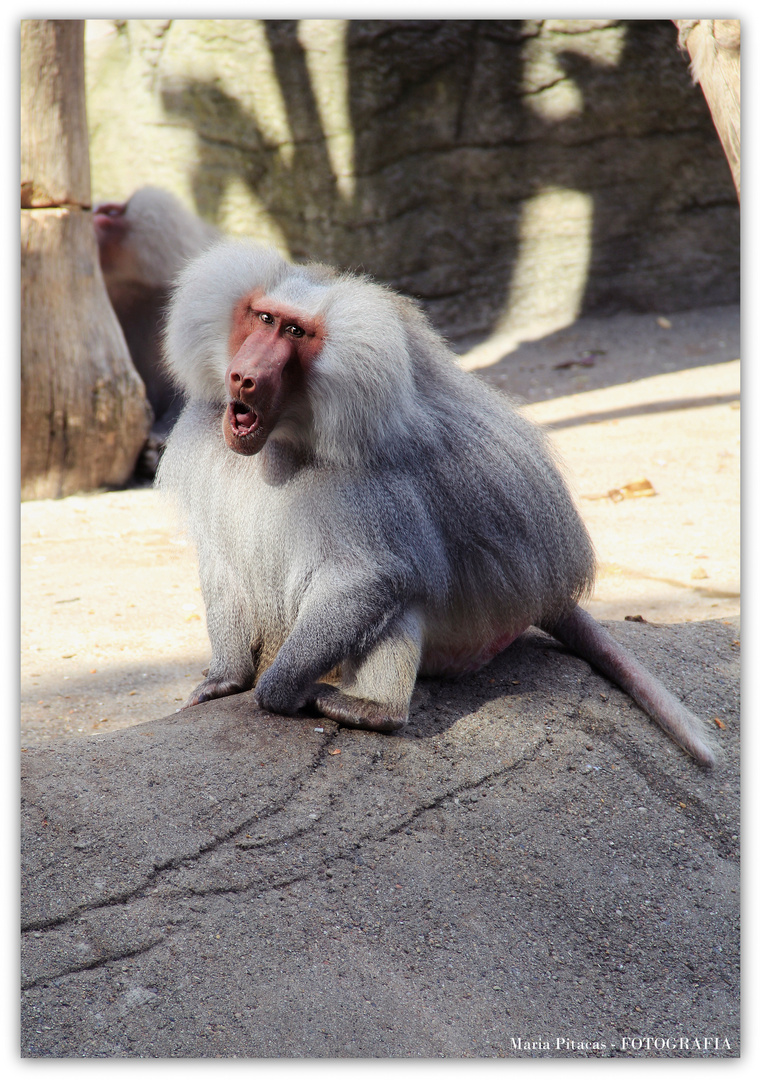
{"x": 84, "y": 414}
{"x": 714, "y": 48}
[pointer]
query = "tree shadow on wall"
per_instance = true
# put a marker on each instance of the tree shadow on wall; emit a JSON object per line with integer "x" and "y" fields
{"x": 448, "y": 148}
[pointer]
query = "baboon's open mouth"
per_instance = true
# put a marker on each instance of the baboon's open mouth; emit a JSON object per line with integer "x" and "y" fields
{"x": 242, "y": 418}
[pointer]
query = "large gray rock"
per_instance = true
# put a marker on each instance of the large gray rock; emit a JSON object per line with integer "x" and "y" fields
{"x": 501, "y": 171}
{"x": 531, "y": 861}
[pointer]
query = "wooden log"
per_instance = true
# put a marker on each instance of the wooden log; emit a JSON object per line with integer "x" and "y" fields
{"x": 714, "y": 49}
{"x": 55, "y": 156}
{"x": 84, "y": 414}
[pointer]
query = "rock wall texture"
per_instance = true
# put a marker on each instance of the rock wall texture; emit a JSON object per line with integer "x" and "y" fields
{"x": 499, "y": 171}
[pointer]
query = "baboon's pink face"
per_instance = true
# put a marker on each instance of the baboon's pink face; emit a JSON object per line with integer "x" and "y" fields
{"x": 272, "y": 348}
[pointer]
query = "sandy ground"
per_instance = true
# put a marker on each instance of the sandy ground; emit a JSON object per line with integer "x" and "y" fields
{"x": 112, "y": 622}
